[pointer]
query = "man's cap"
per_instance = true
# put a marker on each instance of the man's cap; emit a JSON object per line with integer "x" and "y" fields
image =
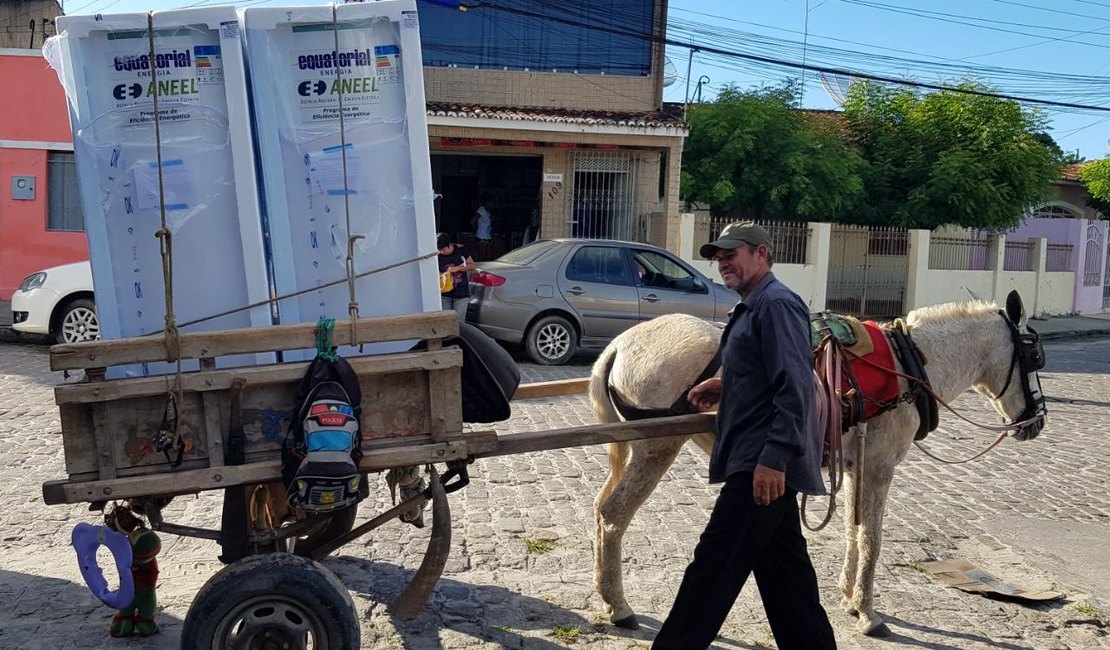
{"x": 443, "y": 240}
{"x": 735, "y": 234}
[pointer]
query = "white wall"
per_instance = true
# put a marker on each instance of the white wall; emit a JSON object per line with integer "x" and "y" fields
{"x": 1044, "y": 293}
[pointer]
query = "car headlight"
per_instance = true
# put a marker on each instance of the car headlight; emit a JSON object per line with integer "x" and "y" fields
{"x": 33, "y": 281}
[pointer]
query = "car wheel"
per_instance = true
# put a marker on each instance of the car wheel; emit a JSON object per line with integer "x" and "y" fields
{"x": 77, "y": 322}
{"x": 552, "y": 341}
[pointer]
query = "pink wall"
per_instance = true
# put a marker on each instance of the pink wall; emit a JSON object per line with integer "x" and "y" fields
{"x": 36, "y": 114}
{"x": 38, "y": 111}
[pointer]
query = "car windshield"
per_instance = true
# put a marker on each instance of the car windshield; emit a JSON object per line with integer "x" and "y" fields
{"x": 528, "y": 254}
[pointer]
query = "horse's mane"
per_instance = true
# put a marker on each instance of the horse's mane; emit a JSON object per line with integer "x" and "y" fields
{"x": 950, "y": 311}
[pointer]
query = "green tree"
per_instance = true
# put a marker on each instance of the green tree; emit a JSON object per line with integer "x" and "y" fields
{"x": 947, "y": 157}
{"x": 754, "y": 153}
{"x": 1096, "y": 177}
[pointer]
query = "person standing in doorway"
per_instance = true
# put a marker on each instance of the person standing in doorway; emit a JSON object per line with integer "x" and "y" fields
{"x": 454, "y": 284}
{"x": 767, "y": 450}
{"x": 483, "y": 226}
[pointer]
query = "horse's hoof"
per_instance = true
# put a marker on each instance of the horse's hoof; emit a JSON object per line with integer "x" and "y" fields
{"x": 879, "y": 630}
{"x": 628, "y": 622}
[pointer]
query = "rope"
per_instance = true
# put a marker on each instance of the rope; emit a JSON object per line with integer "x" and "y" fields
{"x": 324, "y": 347}
{"x": 828, "y": 373}
{"x": 172, "y": 335}
{"x": 301, "y": 292}
{"x": 352, "y": 305}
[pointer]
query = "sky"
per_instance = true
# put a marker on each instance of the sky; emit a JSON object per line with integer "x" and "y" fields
{"x": 1057, "y": 50}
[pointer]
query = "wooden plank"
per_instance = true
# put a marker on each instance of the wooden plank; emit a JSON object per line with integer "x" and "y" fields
{"x": 444, "y": 390}
{"x": 255, "y": 375}
{"x": 195, "y": 345}
{"x": 105, "y": 461}
{"x": 552, "y": 388}
{"x": 213, "y": 428}
{"x": 596, "y": 434}
{"x": 395, "y": 404}
{"x": 189, "y": 481}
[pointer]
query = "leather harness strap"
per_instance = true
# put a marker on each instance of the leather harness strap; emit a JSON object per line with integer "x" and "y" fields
{"x": 680, "y": 406}
{"x": 911, "y": 359}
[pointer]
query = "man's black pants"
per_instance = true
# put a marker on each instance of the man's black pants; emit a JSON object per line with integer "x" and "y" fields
{"x": 742, "y": 538}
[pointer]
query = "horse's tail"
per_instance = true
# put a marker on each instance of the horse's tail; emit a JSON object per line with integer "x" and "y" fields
{"x": 605, "y": 412}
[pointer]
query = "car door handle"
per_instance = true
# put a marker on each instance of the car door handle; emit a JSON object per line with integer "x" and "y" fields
{"x": 577, "y": 291}
{"x": 651, "y": 297}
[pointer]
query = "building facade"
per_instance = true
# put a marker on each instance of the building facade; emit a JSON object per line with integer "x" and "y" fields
{"x": 40, "y": 212}
{"x": 555, "y": 113}
{"x": 27, "y": 23}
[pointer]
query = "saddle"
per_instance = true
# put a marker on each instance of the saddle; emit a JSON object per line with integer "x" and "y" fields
{"x": 868, "y": 383}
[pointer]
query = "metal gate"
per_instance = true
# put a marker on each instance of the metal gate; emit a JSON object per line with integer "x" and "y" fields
{"x": 604, "y": 200}
{"x": 868, "y": 268}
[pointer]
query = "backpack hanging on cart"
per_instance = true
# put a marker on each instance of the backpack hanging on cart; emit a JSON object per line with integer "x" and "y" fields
{"x": 323, "y": 447}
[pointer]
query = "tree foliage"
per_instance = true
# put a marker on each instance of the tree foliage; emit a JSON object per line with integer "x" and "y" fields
{"x": 1096, "y": 177}
{"x": 754, "y": 154}
{"x": 947, "y": 158}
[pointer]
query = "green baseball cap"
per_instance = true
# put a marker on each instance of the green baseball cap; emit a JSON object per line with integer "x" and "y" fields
{"x": 735, "y": 234}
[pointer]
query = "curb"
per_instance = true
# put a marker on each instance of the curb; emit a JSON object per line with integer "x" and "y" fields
{"x": 1074, "y": 334}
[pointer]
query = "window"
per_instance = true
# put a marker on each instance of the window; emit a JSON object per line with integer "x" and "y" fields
{"x": 598, "y": 264}
{"x": 663, "y": 272}
{"x": 63, "y": 210}
{"x": 595, "y": 37}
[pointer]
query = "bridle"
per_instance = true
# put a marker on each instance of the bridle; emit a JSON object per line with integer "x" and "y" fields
{"x": 1028, "y": 358}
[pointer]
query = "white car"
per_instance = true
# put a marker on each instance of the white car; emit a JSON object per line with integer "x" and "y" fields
{"x": 57, "y": 302}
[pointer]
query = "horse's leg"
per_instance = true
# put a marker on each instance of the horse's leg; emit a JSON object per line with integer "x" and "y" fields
{"x": 869, "y": 539}
{"x": 648, "y": 462}
{"x": 851, "y": 551}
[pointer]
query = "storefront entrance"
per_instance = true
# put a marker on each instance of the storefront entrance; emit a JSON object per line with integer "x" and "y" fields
{"x": 512, "y": 183}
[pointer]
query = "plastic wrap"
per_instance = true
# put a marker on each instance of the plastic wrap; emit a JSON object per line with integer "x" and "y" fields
{"x": 207, "y": 175}
{"x": 305, "y": 63}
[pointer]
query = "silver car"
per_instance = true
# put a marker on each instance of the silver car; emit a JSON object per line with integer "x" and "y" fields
{"x": 556, "y": 295}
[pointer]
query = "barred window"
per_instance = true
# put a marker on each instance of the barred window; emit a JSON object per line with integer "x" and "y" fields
{"x": 63, "y": 210}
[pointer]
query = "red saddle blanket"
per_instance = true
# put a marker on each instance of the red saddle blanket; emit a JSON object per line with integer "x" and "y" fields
{"x": 876, "y": 385}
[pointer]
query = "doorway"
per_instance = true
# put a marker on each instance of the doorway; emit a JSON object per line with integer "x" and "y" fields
{"x": 512, "y": 183}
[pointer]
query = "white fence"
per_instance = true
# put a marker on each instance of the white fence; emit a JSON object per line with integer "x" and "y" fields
{"x": 952, "y": 270}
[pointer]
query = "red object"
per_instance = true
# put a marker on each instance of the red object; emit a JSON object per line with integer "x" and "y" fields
{"x": 487, "y": 279}
{"x": 564, "y": 145}
{"x": 331, "y": 419}
{"x": 876, "y": 385}
{"x": 465, "y": 142}
{"x": 522, "y": 143}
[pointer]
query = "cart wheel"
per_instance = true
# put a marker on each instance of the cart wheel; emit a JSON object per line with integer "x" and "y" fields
{"x": 274, "y": 600}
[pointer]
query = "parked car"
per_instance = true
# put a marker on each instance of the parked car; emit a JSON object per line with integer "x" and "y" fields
{"x": 57, "y": 302}
{"x": 557, "y": 295}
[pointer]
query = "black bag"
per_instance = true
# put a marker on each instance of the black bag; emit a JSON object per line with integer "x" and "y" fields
{"x": 490, "y": 376}
{"x": 323, "y": 447}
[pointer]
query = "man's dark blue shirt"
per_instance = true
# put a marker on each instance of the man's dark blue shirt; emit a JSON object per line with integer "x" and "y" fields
{"x": 767, "y": 414}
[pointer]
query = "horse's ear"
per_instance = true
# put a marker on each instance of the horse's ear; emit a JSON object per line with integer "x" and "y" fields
{"x": 1015, "y": 311}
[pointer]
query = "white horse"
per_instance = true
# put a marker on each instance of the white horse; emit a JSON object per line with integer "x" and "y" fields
{"x": 650, "y": 365}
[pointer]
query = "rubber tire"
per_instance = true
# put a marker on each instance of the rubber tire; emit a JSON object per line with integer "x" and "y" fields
{"x": 546, "y": 326}
{"x": 57, "y": 332}
{"x": 282, "y": 579}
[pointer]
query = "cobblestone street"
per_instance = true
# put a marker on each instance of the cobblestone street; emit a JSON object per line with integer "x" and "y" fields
{"x": 1035, "y": 514}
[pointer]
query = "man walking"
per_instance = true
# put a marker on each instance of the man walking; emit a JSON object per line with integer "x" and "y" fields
{"x": 767, "y": 450}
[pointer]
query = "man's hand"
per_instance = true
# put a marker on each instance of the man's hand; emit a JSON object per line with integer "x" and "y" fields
{"x": 706, "y": 395}
{"x": 768, "y": 485}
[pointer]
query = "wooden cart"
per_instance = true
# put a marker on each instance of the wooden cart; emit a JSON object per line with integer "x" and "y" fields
{"x": 412, "y": 417}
